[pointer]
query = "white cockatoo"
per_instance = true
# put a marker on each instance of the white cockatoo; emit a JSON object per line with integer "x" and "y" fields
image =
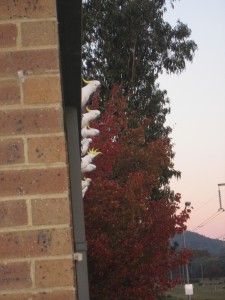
{"x": 87, "y": 159}
{"x": 84, "y": 191}
{"x": 87, "y": 90}
{"x": 88, "y": 168}
{"x": 85, "y": 143}
{"x": 85, "y": 183}
{"x": 89, "y": 116}
{"x": 88, "y": 132}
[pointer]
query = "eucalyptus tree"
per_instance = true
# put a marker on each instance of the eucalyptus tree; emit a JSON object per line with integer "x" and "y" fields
{"x": 128, "y": 42}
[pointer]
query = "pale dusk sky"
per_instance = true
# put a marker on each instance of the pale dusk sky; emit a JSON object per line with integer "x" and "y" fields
{"x": 198, "y": 115}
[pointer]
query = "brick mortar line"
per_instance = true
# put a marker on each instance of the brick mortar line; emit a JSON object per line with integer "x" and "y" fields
{"x": 28, "y": 48}
{"x": 33, "y": 20}
{"x": 32, "y": 273}
{"x": 29, "y": 212}
{"x": 18, "y": 45}
{"x": 29, "y": 74}
{"x": 21, "y": 93}
{"x": 36, "y": 135}
{"x": 19, "y": 36}
{"x": 34, "y": 228}
{"x": 37, "y": 258}
{"x": 26, "y": 161}
{"x": 33, "y": 197}
{"x": 22, "y": 107}
{"x": 37, "y": 166}
{"x": 37, "y": 290}
{"x": 21, "y": 81}
{"x": 42, "y": 75}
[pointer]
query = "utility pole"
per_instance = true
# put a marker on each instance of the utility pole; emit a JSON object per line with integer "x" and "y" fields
{"x": 184, "y": 244}
{"x": 220, "y": 201}
{"x": 202, "y": 274}
{"x": 186, "y": 265}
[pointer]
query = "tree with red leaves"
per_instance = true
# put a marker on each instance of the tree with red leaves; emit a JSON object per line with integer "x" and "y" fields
{"x": 128, "y": 232}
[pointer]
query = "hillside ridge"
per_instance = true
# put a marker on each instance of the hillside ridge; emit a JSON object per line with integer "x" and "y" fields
{"x": 197, "y": 241}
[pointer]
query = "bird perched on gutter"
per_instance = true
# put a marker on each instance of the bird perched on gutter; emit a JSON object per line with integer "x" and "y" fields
{"x": 88, "y": 132}
{"x": 84, "y": 191}
{"x": 89, "y": 116}
{"x": 88, "y": 168}
{"x": 85, "y": 183}
{"x": 87, "y": 159}
{"x": 87, "y": 90}
{"x": 85, "y": 143}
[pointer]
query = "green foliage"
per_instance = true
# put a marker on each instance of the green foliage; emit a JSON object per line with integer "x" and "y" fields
{"x": 128, "y": 42}
{"x": 131, "y": 42}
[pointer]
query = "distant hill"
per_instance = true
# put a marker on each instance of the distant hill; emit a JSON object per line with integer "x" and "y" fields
{"x": 200, "y": 242}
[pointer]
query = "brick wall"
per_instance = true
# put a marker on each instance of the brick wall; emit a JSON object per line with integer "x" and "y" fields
{"x": 35, "y": 223}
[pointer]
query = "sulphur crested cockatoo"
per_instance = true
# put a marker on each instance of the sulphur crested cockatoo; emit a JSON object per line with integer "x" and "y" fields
{"x": 89, "y": 116}
{"x": 87, "y": 90}
{"x": 87, "y": 159}
{"x": 88, "y": 168}
{"x": 84, "y": 191}
{"x": 85, "y": 183}
{"x": 85, "y": 143}
{"x": 88, "y": 132}
{"x": 85, "y": 140}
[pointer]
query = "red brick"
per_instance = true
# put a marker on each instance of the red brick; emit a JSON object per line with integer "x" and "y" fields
{"x": 15, "y": 275}
{"x": 21, "y": 9}
{"x": 29, "y": 61}
{"x": 42, "y": 90}
{"x": 50, "y": 211}
{"x": 34, "y": 243}
{"x": 11, "y": 151}
{"x": 30, "y": 121}
{"x": 8, "y": 35}
{"x": 39, "y": 33}
{"x": 48, "y": 295}
{"x": 13, "y": 213}
{"x": 9, "y": 92}
{"x": 46, "y": 149}
{"x": 52, "y": 273}
{"x": 33, "y": 181}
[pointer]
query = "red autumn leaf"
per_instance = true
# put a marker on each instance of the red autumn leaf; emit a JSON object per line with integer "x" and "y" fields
{"x": 129, "y": 255}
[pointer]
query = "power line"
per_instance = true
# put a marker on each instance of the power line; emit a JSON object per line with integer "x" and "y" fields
{"x": 215, "y": 215}
{"x": 208, "y": 220}
{"x": 204, "y": 204}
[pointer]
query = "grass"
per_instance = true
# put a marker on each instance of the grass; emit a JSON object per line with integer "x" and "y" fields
{"x": 212, "y": 290}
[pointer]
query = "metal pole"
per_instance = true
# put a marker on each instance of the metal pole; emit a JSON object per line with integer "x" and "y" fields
{"x": 69, "y": 15}
{"x": 77, "y": 203}
{"x": 202, "y": 275}
{"x": 186, "y": 265}
{"x": 220, "y": 201}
